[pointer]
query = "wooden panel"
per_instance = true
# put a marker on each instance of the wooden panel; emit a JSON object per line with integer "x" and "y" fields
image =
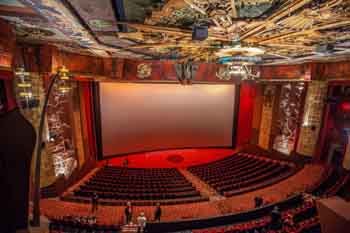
{"x": 7, "y": 45}
{"x": 81, "y": 64}
{"x": 283, "y": 72}
{"x": 312, "y": 118}
{"x": 266, "y": 119}
{"x": 335, "y": 70}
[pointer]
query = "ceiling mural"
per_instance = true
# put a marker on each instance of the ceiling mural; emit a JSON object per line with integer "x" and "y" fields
{"x": 14, "y": 3}
{"x": 215, "y": 31}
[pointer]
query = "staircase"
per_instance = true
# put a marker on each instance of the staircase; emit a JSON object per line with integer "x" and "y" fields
{"x": 201, "y": 186}
{"x": 129, "y": 228}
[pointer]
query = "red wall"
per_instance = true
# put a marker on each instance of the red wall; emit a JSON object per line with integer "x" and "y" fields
{"x": 245, "y": 114}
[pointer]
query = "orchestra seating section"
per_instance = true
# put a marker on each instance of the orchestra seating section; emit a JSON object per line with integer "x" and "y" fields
{"x": 242, "y": 172}
{"x": 148, "y": 186}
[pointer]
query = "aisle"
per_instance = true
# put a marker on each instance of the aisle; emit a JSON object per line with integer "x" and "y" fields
{"x": 201, "y": 186}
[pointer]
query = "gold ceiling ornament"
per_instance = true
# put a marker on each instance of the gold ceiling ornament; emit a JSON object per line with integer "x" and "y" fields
{"x": 238, "y": 50}
{"x": 144, "y": 70}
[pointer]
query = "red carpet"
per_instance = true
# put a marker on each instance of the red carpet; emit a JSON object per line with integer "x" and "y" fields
{"x": 171, "y": 158}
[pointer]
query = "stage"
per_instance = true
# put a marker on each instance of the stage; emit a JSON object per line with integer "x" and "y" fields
{"x": 180, "y": 158}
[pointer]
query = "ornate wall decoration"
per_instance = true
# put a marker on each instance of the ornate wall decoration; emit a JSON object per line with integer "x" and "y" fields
{"x": 266, "y": 116}
{"x": 30, "y": 106}
{"x": 223, "y": 73}
{"x": 60, "y": 134}
{"x": 310, "y": 128}
{"x": 144, "y": 70}
{"x": 183, "y": 17}
{"x": 291, "y": 100}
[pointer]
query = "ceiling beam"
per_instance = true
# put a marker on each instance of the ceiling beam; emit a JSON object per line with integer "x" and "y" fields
{"x": 17, "y": 11}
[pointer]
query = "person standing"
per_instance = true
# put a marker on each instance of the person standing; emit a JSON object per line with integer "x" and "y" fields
{"x": 258, "y": 202}
{"x": 94, "y": 202}
{"x": 276, "y": 219}
{"x": 157, "y": 212}
{"x": 126, "y": 163}
{"x": 141, "y": 221}
{"x": 128, "y": 212}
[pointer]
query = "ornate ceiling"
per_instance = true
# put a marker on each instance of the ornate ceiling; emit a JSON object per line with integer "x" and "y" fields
{"x": 253, "y": 31}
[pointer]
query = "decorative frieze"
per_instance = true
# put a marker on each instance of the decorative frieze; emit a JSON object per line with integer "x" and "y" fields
{"x": 290, "y": 106}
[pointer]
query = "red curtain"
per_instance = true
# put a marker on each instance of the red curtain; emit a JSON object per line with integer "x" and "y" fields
{"x": 86, "y": 88}
{"x": 7, "y": 76}
{"x": 245, "y": 114}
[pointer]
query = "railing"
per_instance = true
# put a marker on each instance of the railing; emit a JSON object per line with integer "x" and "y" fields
{"x": 201, "y": 223}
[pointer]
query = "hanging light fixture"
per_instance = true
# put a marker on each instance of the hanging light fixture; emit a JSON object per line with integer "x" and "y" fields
{"x": 64, "y": 80}
{"x": 24, "y": 88}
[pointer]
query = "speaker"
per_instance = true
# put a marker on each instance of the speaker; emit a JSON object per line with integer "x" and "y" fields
{"x": 325, "y": 48}
{"x": 200, "y": 33}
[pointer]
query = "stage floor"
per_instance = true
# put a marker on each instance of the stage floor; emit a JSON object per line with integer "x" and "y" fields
{"x": 171, "y": 158}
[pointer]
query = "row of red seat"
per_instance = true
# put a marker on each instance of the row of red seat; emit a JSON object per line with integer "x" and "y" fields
{"x": 137, "y": 189}
{"x": 154, "y": 183}
{"x": 240, "y": 171}
{"x": 123, "y": 184}
{"x": 263, "y": 224}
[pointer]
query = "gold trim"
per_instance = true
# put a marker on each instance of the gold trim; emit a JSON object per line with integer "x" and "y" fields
{"x": 5, "y": 68}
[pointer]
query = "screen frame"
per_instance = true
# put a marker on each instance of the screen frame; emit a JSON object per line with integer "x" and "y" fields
{"x": 98, "y": 123}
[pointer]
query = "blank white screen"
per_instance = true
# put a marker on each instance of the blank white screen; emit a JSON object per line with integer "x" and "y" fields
{"x": 147, "y": 117}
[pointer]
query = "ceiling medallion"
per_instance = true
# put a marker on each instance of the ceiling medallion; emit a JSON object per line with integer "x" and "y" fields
{"x": 144, "y": 70}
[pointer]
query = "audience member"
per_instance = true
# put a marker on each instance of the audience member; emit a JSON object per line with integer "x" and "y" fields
{"x": 157, "y": 213}
{"x": 258, "y": 202}
{"x": 94, "y": 202}
{"x": 128, "y": 212}
{"x": 141, "y": 221}
{"x": 126, "y": 163}
{"x": 276, "y": 219}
